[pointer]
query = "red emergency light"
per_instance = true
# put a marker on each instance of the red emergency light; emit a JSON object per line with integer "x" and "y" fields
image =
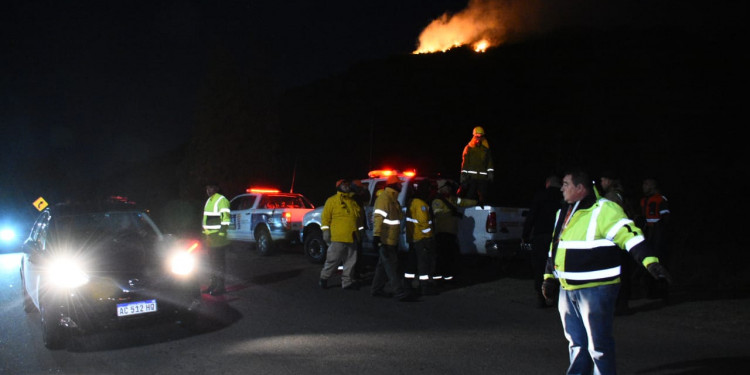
{"x": 262, "y": 190}
{"x": 377, "y": 173}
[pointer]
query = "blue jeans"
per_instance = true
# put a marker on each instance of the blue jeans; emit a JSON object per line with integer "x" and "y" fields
{"x": 587, "y": 315}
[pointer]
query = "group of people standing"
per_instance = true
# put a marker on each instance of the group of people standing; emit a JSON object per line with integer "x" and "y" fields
{"x": 431, "y": 214}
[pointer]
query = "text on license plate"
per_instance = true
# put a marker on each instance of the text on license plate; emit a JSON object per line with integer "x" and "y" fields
{"x": 134, "y": 308}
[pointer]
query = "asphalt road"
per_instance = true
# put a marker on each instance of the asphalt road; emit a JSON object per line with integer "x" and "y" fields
{"x": 276, "y": 320}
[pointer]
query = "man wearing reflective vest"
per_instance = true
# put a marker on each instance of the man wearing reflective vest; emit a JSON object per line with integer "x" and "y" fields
{"x": 584, "y": 257}
{"x": 215, "y": 225}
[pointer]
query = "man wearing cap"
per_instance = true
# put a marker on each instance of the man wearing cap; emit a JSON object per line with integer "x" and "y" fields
{"x": 341, "y": 222}
{"x": 477, "y": 168}
{"x": 386, "y": 233}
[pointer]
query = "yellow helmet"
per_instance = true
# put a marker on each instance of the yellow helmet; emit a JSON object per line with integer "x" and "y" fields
{"x": 478, "y": 131}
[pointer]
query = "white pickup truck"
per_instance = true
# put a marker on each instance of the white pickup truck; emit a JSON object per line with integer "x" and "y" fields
{"x": 264, "y": 216}
{"x": 483, "y": 230}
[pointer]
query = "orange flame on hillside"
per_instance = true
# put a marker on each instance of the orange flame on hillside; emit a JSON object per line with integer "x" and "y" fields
{"x": 480, "y": 25}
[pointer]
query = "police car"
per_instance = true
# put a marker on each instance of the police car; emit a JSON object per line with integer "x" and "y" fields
{"x": 264, "y": 216}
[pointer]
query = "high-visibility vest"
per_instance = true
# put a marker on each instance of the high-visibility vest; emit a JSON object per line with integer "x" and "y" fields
{"x": 216, "y": 220}
{"x": 590, "y": 241}
{"x": 654, "y": 208}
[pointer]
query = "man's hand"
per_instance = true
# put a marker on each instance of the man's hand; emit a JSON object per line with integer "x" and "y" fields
{"x": 550, "y": 289}
{"x": 327, "y": 237}
{"x": 659, "y": 272}
{"x": 376, "y": 242}
{"x": 491, "y": 176}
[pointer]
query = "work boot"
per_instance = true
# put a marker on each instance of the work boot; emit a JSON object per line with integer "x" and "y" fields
{"x": 323, "y": 283}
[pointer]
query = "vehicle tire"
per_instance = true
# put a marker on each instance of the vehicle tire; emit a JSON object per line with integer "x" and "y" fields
{"x": 53, "y": 333}
{"x": 315, "y": 247}
{"x": 264, "y": 242}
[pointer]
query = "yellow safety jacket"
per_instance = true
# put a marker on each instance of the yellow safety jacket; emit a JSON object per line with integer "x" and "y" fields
{"x": 418, "y": 221}
{"x": 588, "y": 251}
{"x": 387, "y": 217}
{"x": 342, "y": 216}
{"x": 446, "y": 216}
{"x": 216, "y": 220}
{"x": 476, "y": 160}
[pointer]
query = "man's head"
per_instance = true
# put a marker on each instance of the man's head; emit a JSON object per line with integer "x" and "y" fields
{"x": 552, "y": 181}
{"x": 576, "y": 185}
{"x": 343, "y": 186}
{"x": 608, "y": 179}
{"x": 478, "y": 132}
{"x": 393, "y": 182}
{"x": 212, "y": 188}
{"x": 649, "y": 186}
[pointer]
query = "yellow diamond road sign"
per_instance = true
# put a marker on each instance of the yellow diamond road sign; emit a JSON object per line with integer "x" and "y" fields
{"x": 40, "y": 203}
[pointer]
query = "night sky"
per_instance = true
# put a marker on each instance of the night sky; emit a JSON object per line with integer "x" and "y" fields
{"x": 87, "y": 85}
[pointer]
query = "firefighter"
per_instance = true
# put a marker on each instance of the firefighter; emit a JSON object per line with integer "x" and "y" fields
{"x": 386, "y": 232}
{"x": 584, "y": 259}
{"x": 341, "y": 222}
{"x": 215, "y": 225}
{"x": 421, "y": 239}
{"x": 446, "y": 216}
{"x": 477, "y": 168}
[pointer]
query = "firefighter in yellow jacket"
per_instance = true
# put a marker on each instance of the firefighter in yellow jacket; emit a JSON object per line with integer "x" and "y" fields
{"x": 341, "y": 222}
{"x": 477, "y": 168}
{"x": 585, "y": 258}
{"x": 386, "y": 232}
{"x": 421, "y": 238}
{"x": 215, "y": 225}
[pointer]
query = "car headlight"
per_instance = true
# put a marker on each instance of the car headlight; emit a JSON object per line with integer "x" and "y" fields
{"x": 67, "y": 273}
{"x": 182, "y": 263}
{"x": 7, "y": 235}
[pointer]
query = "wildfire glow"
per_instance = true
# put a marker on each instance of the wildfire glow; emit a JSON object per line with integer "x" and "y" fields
{"x": 480, "y": 25}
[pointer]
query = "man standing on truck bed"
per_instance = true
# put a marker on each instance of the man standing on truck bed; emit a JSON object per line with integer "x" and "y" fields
{"x": 477, "y": 168}
{"x": 386, "y": 232}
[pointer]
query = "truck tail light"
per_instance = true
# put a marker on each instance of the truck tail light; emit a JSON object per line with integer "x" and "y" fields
{"x": 491, "y": 225}
{"x": 286, "y": 220}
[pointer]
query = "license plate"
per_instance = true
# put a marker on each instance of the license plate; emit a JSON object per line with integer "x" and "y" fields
{"x": 135, "y": 308}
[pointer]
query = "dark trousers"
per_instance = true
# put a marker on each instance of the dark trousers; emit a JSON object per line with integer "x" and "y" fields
{"x": 447, "y": 255}
{"x": 421, "y": 260}
{"x": 388, "y": 271}
{"x": 477, "y": 189}
{"x": 217, "y": 260}
{"x": 539, "y": 254}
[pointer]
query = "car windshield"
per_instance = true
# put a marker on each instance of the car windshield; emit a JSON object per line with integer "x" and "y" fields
{"x": 104, "y": 225}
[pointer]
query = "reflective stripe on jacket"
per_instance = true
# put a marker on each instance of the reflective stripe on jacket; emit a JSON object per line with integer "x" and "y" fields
{"x": 387, "y": 217}
{"x": 588, "y": 251}
{"x": 342, "y": 216}
{"x": 418, "y": 221}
